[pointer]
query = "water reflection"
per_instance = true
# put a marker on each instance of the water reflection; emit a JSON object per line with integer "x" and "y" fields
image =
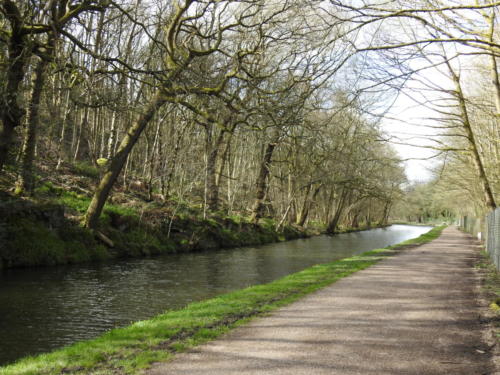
{"x": 43, "y": 309}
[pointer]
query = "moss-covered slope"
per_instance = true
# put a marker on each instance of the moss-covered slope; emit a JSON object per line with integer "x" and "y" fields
{"x": 47, "y": 231}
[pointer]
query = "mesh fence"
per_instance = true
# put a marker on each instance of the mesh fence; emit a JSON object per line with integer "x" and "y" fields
{"x": 488, "y": 230}
{"x": 493, "y": 236}
{"x": 473, "y": 226}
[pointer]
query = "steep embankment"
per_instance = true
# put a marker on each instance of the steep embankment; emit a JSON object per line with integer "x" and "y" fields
{"x": 47, "y": 232}
{"x": 45, "y": 229}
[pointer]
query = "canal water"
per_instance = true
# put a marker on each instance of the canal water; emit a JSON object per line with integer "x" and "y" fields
{"x": 47, "y": 308}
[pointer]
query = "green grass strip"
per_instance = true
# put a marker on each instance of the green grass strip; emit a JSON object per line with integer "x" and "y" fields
{"x": 129, "y": 350}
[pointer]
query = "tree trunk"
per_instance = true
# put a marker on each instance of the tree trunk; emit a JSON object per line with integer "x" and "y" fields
{"x": 476, "y": 157}
{"x": 115, "y": 165}
{"x": 495, "y": 80}
{"x": 496, "y": 83}
{"x": 63, "y": 133}
{"x": 292, "y": 211}
{"x": 332, "y": 225}
{"x": 385, "y": 216}
{"x": 79, "y": 134}
{"x": 179, "y": 137}
{"x": 355, "y": 220}
{"x": 26, "y": 182}
{"x": 212, "y": 187}
{"x": 261, "y": 184}
{"x": 303, "y": 212}
{"x": 151, "y": 162}
{"x": 12, "y": 113}
{"x": 224, "y": 156}
{"x": 112, "y": 136}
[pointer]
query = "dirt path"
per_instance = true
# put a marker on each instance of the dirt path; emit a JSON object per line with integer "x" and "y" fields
{"x": 414, "y": 313}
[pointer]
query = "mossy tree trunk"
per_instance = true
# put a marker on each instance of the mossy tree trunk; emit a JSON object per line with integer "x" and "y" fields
{"x": 18, "y": 55}
{"x": 304, "y": 212}
{"x": 212, "y": 186}
{"x": 332, "y": 225}
{"x": 115, "y": 165}
{"x": 355, "y": 220}
{"x": 225, "y": 156}
{"x": 167, "y": 183}
{"x": 26, "y": 181}
{"x": 386, "y": 212}
{"x": 261, "y": 183}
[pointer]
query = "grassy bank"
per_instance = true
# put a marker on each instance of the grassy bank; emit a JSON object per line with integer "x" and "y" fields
{"x": 47, "y": 231}
{"x": 131, "y": 349}
{"x": 490, "y": 283}
{"x": 45, "y": 228}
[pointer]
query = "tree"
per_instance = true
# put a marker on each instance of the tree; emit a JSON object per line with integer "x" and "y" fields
{"x": 188, "y": 39}
{"x": 430, "y": 31}
{"x": 20, "y": 33}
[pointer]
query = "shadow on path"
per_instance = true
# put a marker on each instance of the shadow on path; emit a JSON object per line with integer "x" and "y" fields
{"x": 415, "y": 313}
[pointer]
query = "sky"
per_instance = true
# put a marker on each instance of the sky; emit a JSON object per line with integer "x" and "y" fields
{"x": 409, "y": 138}
{"x": 405, "y": 119}
{"x": 416, "y": 169}
{"x": 407, "y": 123}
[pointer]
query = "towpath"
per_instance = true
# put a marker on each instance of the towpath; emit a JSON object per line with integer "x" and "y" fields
{"x": 415, "y": 314}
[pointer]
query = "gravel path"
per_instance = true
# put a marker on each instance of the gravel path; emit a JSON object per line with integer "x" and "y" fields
{"x": 414, "y": 313}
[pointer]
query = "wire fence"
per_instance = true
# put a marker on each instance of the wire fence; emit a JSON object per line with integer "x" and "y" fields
{"x": 486, "y": 229}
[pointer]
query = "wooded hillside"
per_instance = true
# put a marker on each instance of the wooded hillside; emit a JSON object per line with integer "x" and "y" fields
{"x": 252, "y": 108}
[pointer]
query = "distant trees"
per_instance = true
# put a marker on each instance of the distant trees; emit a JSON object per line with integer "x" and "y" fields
{"x": 427, "y": 203}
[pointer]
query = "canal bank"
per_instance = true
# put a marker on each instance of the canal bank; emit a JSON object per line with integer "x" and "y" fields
{"x": 47, "y": 232}
{"x": 134, "y": 347}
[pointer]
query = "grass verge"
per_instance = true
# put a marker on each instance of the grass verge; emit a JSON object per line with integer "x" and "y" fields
{"x": 491, "y": 288}
{"x": 129, "y": 350}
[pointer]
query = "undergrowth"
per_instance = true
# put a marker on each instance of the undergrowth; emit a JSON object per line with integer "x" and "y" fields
{"x": 491, "y": 288}
{"x": 48, "y": 231}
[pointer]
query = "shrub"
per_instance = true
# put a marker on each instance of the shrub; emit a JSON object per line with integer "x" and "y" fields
{"x": 86, "y": 169}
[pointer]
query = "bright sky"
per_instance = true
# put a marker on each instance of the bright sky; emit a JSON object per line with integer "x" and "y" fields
{"x": 401, "y": 133}
{"x": 405, "y": 120}
{"x": 408, "y": 123}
